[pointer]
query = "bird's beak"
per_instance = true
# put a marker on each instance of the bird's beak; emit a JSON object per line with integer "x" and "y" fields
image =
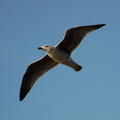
{"x": 40, "y": 48}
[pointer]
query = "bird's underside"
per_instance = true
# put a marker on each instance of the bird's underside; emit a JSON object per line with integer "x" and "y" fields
{"x": 35, "y": 70}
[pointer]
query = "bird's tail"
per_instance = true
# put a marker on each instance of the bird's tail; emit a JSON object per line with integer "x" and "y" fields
{"x": 70, "y": 63}
{"x": 76, "y": 67}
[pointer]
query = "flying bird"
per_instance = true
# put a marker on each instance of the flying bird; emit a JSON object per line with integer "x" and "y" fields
{"x": 55, "y": 55}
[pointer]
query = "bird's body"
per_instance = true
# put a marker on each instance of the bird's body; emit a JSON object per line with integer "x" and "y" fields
{"x": 61, "y": 57}
{"x": 55, "y": 55}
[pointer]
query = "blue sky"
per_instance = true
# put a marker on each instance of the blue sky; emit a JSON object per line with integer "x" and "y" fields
{"x": 61, "y": 94}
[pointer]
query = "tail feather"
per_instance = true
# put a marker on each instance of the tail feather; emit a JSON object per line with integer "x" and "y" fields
{"x": 77, "y": 67}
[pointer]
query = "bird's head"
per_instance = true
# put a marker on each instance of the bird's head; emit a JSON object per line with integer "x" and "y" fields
{"x": 46, "y": 48}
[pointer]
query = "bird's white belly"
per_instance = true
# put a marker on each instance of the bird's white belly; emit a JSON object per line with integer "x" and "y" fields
{"x": 60, "y": 56}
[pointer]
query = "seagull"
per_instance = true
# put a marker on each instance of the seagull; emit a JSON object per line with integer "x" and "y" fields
{"x": 60, "y": 53}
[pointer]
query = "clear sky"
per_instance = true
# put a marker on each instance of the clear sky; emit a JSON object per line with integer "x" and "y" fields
{"x": 61, "y": 94}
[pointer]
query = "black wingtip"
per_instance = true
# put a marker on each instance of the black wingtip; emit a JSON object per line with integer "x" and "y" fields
{"x": 21, "y": 97}
{"x": 100, "y": 25}
{"x": 94, "y": 27}
{"x": 103, "y": 24}
{"x": 23, "y": 92}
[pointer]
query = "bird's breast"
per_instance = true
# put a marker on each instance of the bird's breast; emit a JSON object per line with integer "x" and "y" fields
{"x": 59, "y": 56}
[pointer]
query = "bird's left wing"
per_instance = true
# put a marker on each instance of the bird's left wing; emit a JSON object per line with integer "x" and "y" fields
{"x": 33, "y": 72}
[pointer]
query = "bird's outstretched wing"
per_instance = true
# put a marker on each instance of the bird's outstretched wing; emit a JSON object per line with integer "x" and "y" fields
{"x": 33, "y": 72}
{"x": 74, "y": 36}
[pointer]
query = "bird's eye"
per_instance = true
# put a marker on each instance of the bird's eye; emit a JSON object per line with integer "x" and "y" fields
{"x": 46, "y": 46}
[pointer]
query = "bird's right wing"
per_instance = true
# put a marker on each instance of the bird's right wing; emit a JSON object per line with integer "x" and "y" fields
{"x": 33, "y": 72}
{"x": 74, "y": 36}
